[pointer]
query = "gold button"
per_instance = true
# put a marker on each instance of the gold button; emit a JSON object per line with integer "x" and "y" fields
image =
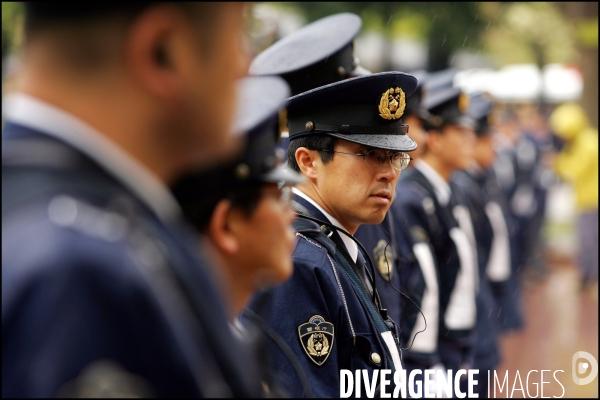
{"x": 310, "y": 126}
{"x": 376, "y": 358}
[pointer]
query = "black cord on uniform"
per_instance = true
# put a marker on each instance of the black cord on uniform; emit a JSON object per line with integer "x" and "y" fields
{"x": 398, "y": 290}
{"x": 373, "y": 282}
{"x": 283, "y": 346}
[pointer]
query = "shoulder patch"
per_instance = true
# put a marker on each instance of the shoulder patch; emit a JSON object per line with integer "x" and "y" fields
{"x": 384, "y": 260}
{"x": 316, "y": 337}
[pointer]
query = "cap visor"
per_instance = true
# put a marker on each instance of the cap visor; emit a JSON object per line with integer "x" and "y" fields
{"x": 385, "y": 142}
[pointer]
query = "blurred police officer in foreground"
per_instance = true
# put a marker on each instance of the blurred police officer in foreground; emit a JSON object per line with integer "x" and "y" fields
{"x": 104, "y": 291}
{"x": 428, "y": 206}
{"x": 492, "y": 240}
{"x": 348, "y": 140}
{"x": 243, "y": 206}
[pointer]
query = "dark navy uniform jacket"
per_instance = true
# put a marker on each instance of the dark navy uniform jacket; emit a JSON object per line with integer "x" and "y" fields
{"x": 419, "y": 281}
{"x": 507, "y": 294}
{"x": 383, "y": 253}
{"x": 490, "y": 256}
{"x": 91, "y": 274}
{"x": 432, "y": 222}
{"x": 325, "y": 293}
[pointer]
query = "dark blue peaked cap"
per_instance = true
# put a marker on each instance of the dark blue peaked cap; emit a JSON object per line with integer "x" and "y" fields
{"x": 414, "y": 104}
{"x": 480, "y": 108}
{"x": 360, "y": 110}
{"x": 317, "y": 54}
{"x": 445, "y": 103}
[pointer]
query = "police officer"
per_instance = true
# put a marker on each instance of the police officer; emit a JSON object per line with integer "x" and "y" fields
{"x": 429, "y": 209}
{"x": 492, "y": 240}
{"x": 243, "y": 206}
{"x": 317, "y": 54}
{"x": 105, "y": 291}
{"x": 348, "y": 140}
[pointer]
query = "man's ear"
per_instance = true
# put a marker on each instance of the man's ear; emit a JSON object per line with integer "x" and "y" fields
{"x": 219, "y": 228}
{"x": 434, "y": 141}
{"x": 307, "y": 161}
{"x": 150, "y": 48}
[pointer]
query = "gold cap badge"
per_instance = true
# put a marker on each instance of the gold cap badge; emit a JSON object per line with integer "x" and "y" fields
{"x": 392, "y": 103}
{"x": 463, "y": 102}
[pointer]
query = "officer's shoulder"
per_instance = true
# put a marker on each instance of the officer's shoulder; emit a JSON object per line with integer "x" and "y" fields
{"x": 412, "y": 190}
{"x": 64, "y": 234}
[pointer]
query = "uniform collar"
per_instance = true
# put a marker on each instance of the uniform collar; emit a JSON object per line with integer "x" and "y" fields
{"x": 440, "y": 186}
{"x": 351, "y": 246}
{"x": 33, "y": 113}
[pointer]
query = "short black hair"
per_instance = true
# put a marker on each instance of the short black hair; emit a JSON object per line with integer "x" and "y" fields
{"x": 312, "y": 142}
{"x": 244, "y": 197}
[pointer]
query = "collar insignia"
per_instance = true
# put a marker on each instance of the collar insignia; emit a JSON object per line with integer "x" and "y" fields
{"x": 392, "y": 103}
{"x": 316, "y": 337}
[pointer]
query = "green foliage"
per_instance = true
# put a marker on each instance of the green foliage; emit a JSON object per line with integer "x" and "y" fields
{"x": 445, "y": 26}
{"x": 587, "y": 33}
{"x": 12, "y": 21}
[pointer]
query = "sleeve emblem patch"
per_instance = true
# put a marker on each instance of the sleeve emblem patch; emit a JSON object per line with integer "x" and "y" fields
{"x": 316, "y": 337}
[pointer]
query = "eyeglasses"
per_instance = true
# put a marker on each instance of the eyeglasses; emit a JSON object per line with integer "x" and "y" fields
{"x": 375, "y": 158}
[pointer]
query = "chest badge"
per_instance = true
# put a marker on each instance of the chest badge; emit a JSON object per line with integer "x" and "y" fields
{"x": 392, "y": 103}
{"x": 316, "y": 338}
{"x": 386, "y": 269}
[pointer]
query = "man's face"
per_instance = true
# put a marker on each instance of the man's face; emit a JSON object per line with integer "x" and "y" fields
{"x": 267, "y": 240}
{"x": 485, "y": 153}
{"x": 457, "y": 146}
{"x": 352, "y": 191}
{"x": 210, "y": 97}
{"x": 416, "y": 131}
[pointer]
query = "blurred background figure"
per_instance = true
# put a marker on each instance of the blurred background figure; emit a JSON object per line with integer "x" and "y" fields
{"x": 433, "y": 214}
{"x": 106, "y": 292}
{"x": 305, "y": 65}
{"x": 577, "y": 163}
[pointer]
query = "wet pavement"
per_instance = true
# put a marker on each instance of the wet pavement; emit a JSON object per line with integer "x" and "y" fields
{"x": 561, "y": 320}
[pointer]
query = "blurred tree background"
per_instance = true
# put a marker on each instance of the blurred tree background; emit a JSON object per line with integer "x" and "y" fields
{"x": 428, "y": 35}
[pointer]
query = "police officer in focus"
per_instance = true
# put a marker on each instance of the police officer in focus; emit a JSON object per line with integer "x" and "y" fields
{"x": 349, "y": 142}
{"x": 105, "y": 289}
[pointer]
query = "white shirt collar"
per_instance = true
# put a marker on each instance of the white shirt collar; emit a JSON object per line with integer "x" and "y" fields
{"x": 440, "y": 186}
{"x": 26, "y": 110}
{"x": 349, "y": 243}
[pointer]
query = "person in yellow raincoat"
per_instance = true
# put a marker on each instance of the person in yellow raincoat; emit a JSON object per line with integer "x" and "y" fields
{"x": 577, "y": 162}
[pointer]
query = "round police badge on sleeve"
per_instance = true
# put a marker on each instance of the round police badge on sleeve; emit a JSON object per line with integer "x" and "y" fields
{"x": 384, "y": 260}
{"x": 316, "y": 337}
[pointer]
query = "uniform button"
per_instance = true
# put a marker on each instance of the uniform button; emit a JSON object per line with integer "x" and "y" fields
{"x": 376, "y": 358}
